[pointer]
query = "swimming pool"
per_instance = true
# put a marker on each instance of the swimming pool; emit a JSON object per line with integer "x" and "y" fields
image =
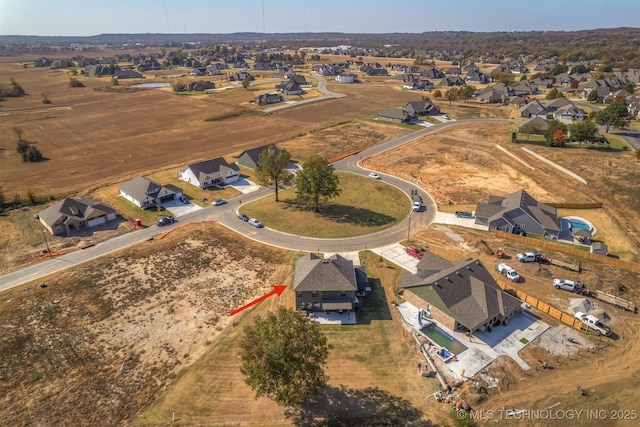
{"x": 150, "y": 85}
{"x": 576, "y": 223}
{"x": 443, "y": 339}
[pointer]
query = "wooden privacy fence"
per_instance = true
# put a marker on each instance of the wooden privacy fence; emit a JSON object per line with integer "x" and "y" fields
{"x": 628, "y": 265}
{"x": 594, "y": 205}
{"x": 543, "y": 307}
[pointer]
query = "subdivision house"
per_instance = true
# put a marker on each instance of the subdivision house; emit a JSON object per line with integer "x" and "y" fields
{"x": 210, "y": 173}
{"x": 250, "y": 158}
{"x": 75, "y": 214}
{"x": 326, "y": 284}
{"x": 145, "y": 193}
{"x": 346, "y": 78}
{"x": 270, "y": 97}
{"x": 290, "y": 87}
{"x": 421, "y": 108}
{"x": 127, "y": 74}
{"x": 459, "y": 296}
{"x": 396, "y": 115}
{"x": 518, "y": 212}
{"x": 533, "y": 109}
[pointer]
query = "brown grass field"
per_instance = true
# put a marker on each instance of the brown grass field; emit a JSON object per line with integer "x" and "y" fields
{"x": 142, "y": 333}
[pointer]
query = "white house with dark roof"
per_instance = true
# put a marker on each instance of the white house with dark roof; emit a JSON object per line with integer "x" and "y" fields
{"x": 459, "y": 296}
{"x": 210, "y": 173}
{"x": 325, "y": 284}
{"x": 145, "y": 193}
{"x": 75, "y": 214}
{"x": 518, "y": 212}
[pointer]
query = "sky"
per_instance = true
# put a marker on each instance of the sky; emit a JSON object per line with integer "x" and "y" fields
{"x": 92, "y": 17}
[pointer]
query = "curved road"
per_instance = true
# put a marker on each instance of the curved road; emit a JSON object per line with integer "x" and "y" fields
{"x": 226, "y": 215}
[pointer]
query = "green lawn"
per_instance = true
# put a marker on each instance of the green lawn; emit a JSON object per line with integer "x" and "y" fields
{"x": 366, "y": 205}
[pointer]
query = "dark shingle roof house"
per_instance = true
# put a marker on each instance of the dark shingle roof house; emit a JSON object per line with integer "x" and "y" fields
{"x": 518, "y": 212}
{"x": 144, "y": 192}
{"x": 459, "y": 295}
{"x": 74, "y": 214}
{"x": 396, "y": 115}
{"x": 326, "y": 284}
{"x": 210, "y": 173}
{"x": 250, "y": 158}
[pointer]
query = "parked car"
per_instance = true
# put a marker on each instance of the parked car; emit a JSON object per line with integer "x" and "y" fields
{"x": 463, "y": 214}
{"x": 218, "y": 202}
{"x": 243, "y": 217}
{"x": 528, "y": 256}
{"x": 414, "y": 252}
{"x": 255, "y": 223}
{"x": 184, "y": 200}
{"x": 508, "y": 272}
{"x": 374, "y": 175}
{"x": 165, "y": 220}
{"x": 445, "y": 117}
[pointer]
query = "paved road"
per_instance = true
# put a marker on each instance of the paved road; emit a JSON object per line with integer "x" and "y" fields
{"x": 322, "y": 87}
{"x": 226, "y": 215}
{"x": 631, "y": 135}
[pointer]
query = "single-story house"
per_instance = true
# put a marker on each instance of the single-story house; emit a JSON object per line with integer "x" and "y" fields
{"x": 537, "y": 125}
{"x": 325, "y": 284}
{"x": 452, "y": 81}
{"x": 533, "y": 109}
{"x": 290, "y": 88}
{"x": 269, "y": 98}
{"x": 518, "y": 212}
{"x": 396, "y": 115}
{"x": 250, "y": 158}
{"x": 145, "y": 193}
{"x": 210, "y": 173}
{"x": 421, "y": 108}
{"x": 346, "y": 78}
{"x": 459, "y": 296}
{"x": 127, "y": 74}
{"x": 569, "y": 113}
{"x": 599, "y": 248}
{"x": 74, "y": 214}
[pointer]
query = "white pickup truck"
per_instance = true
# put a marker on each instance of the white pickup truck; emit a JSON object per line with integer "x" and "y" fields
{"x": 571, "y": 286}
{"x": 594, "y": 323}
{"x": 508, "y": 272}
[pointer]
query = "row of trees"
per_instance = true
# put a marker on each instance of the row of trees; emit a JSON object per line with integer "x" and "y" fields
{"x": 29, "y": 152}
{"x": 315, "y": 183}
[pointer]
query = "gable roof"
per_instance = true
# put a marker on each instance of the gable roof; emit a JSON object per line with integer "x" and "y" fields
{"x": 511, "y": 205}
{"x": 79, "y": 209}
{"x": 253, "y": 155}
{"x": 465, "y": 291}
{"x": 213, "y": 168}
{"x": 316, "y": 274}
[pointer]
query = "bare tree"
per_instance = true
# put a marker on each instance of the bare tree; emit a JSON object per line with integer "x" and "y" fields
{"x": 19, "y": 132}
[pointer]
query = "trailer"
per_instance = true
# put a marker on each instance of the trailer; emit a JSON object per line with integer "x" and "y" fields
{"x": 616, "y": 301}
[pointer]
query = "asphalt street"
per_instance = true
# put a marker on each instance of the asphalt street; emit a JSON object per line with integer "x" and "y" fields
{"x": 226, "y": 216}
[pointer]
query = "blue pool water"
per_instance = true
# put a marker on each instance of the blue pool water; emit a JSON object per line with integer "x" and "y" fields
{"x": 576, "y": 223}
{"x": 443, "y": 339}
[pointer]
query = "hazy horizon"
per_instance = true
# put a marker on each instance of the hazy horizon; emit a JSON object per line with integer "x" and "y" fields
{"x": 83, "y": 18}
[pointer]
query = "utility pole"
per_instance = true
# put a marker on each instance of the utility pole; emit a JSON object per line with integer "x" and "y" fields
{"x": 36, "y": 216}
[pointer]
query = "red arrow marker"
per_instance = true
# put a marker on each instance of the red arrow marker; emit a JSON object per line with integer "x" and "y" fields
{"x": 277, "y": 290}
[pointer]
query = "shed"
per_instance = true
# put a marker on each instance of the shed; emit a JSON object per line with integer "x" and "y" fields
{"x": 599, "y": 248}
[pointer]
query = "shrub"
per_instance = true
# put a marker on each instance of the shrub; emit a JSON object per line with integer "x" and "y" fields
{"x": 73, "y": 82}
{"x": 22, "y": 146}
{"x": 32, "y": 154}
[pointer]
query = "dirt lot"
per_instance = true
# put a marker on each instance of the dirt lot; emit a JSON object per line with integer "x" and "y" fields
{"x": 115, "y": 332}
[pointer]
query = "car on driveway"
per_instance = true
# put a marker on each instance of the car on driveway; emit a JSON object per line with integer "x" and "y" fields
{"x": 243, "y": 217}
{"x": 463, "y": 214}
{"x": 184, "y": 200}
{"x": 374, "y": 175}
{"x": 165, "y": 220}
{"x": 255, "y": 223}
{"x": 414, "y": 252}
{"x": 218, "y": 202}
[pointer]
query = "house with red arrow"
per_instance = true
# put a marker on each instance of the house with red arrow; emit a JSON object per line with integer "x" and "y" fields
{"x": 327, "y": 284}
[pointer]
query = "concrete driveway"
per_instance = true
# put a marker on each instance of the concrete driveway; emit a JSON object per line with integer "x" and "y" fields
{"x": 452, "y": 219}
{"x": 245, "y": 186}
{"x": 178, "y": 209}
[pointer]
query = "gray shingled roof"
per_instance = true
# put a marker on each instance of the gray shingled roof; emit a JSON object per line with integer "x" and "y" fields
{"x": 81, "y": 209}
{"x": 467, "y": 292}
{"x": 324, "y": 274}
{"x": 510, "y": 205}
{"x": 139, "y": 187}
{"x": 213, "y": 168}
